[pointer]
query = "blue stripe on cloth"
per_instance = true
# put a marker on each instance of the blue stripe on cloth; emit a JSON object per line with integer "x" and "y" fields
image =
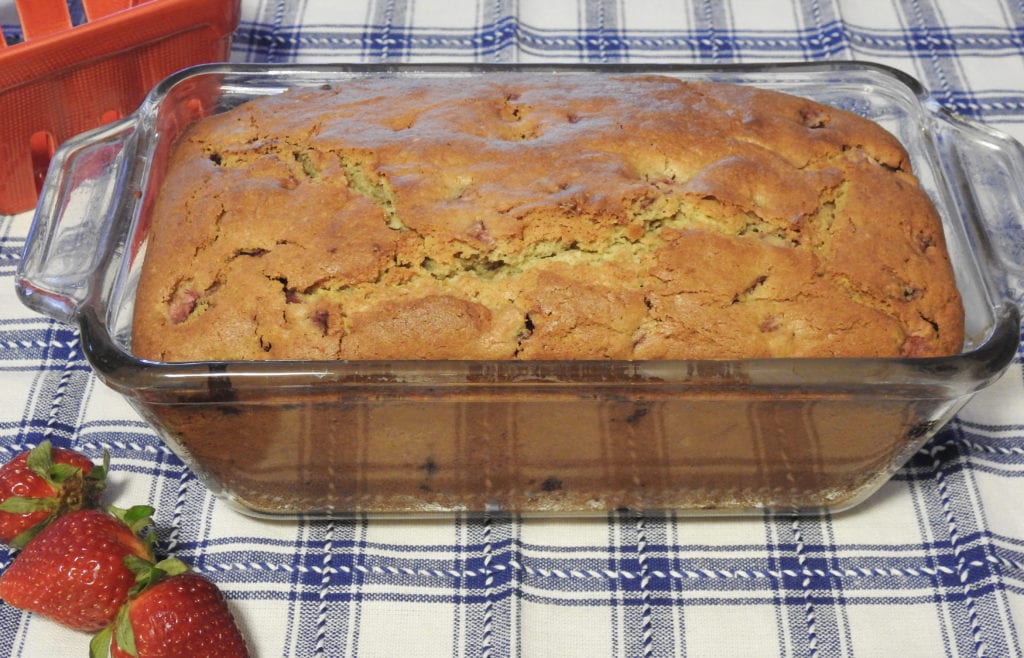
{"x": 375, "y": 42}
{"x": 961, "y": 41}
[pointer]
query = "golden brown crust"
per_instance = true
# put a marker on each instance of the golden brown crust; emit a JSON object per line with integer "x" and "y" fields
{"x": 589, "y": 217}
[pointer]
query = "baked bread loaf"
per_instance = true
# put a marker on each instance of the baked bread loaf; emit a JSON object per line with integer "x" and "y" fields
{"x": 583, "y": 217}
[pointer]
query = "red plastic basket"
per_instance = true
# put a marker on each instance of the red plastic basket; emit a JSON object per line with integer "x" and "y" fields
{"x": 63, "y": 79}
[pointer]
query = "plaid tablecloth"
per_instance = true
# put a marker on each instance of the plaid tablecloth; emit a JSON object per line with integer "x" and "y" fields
{"x": 933, "y": 565}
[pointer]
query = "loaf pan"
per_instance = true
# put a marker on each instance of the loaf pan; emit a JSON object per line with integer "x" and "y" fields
{"x": 408, "y": 438}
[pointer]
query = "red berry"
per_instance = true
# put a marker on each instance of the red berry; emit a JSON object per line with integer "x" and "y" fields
{"x": 181, "y": 615}
{"x": 39, "y": 485}
{"x": 74, "y": 572}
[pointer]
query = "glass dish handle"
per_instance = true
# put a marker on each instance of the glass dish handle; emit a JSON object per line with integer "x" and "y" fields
{"x": 72, "y": 228}
{"x": 991, "y": 164}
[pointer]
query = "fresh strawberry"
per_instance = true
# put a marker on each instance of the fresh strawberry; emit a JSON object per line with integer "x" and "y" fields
{"x": 171, "y": 613}
{"x": 39, "y": 485}
{"x": 73, "y": 571}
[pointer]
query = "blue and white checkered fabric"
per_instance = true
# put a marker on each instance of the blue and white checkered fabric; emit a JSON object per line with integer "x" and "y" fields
{"x": 933, "y": 565}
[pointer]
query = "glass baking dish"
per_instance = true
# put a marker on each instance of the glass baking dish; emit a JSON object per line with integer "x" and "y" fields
{"x": 340, "y": 438}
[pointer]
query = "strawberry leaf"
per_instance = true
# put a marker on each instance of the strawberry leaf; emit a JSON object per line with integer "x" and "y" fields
{"x": 99, "y": 472}
{"x": 60, "y": 473}
{"x": 145, "y": 572}
{"x": 124, "y": 634}
{"x": 21, "y": 505}
{"x": 138, "y": 566}
{"x": 172, "y": 566}
{"x": 40, "y": 460}
{"x": 148, "y": 574}
{"x": 135, "y": 517}
{"x": 20, "y": 540}
{"x": 99, "y": 646}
